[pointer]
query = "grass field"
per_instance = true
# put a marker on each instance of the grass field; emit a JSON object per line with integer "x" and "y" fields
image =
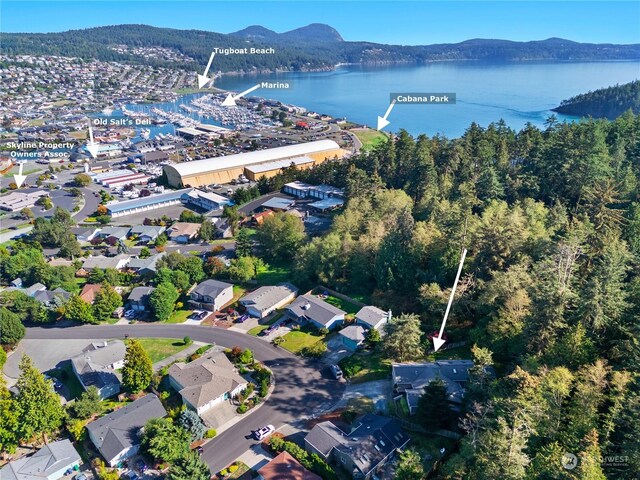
{"x": 296, "y": 340}
{"x": 161, "y": 348}
{"x": 366, "y": 367}
{"x": 272, "y": 275}
{"x": 342, "y": 304}
{"x": 179, "y": 316}
{"x": 460, "y": 353}
{"x": 68, "y": 378}
{"x": 369, "y": 137}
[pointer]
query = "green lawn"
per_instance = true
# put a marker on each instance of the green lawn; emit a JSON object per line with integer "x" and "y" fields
{"x": 369, "y": 137}
{"x": 430, "y": 444}
{"x": 272, "y": 275}
{"x": 65, "y": 375}
{"x": 296, "y": 340}
{"x": 161, "y": 348}
{"x": 365, "y": 367}
{"x": 255, "y": 331}
{"x": 343, "y": 304}
{"x": 179, "y": 316}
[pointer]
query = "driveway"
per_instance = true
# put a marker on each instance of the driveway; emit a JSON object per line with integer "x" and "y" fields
{"x": 301, "y": 388}
{"x": 336, "y": 351}
{"x": 379, "y": 391}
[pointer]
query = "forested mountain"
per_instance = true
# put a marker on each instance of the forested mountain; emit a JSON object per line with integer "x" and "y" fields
{"x": 551, "y": 287}
{"x": 315, "y": 46}
{"x": 608, "y": 102}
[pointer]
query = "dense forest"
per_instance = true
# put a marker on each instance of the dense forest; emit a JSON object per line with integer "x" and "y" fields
{"x": 313, "y": 47}
{"x": 551, "y": 289}
{"x": 608, "y": 102}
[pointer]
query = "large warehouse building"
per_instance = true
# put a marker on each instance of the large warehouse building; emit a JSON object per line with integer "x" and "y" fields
{"x": 261, "y": 163}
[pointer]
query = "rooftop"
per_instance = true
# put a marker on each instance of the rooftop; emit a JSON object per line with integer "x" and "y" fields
{"x": 144, "y": 201}
{"x": 314, "y": 308}
{"x": 47, "y": 461}
{"x": 250, "y": 158}
{"x": 285, "y": 467}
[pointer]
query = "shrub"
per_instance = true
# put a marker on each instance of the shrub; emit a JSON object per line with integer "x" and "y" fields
{"x": 242, "y": 408}
{"x": 233, "y": 468}
{"x": 264, "y": 388}
{"x": 246, "y": 357}
{"x": 203, "y": 349}
{"x": 187, "y": 340}
{"x": 211, "y": 433}
{"x": 324, "y": 331}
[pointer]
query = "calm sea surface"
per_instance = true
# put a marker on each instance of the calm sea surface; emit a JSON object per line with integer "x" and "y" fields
{"x": 486, "y": 92}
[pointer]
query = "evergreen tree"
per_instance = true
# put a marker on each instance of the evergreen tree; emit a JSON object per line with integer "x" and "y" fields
{"x": 11, "y": 328}
{"x": 105, "y": 302}
{"x": 434, "y": 409}
{"x": 137, "y": 370}
{"x": 37, "y": 404}
{"x": 244, "y": 245}
{"x": 409, "y": 466}
{"x": 189, "y": 467}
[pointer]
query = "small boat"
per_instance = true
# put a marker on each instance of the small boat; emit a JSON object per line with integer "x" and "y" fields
{"x": 107, "y": 110}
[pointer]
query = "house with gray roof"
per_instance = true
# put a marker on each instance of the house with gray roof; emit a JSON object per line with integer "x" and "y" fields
{"x": 207, "y": 381}
{"x": 34, "y": 289}
{"x": 117, "y": 435}
{"x": 146, "y": 233}
{"x": 145, "y": 267}
{"x": 85, "y": 234}
{"x": 119, "y": 233}
{"x": 100, "y": 261}
{"x": 211, "y": 295}
{"x": 52, "y": 298}
{"x": 315, "y": 311}
{"x": 139, "y": 298}
{"x": 264, "y": 300}
{"x": 410, "y": 379}
{"x": 372, "y": 317}
{"x": 97, "y": 364}
{"x": 352, "y": 336}
{"x": 48, "y": 463}
{"x": 370, "y": 444}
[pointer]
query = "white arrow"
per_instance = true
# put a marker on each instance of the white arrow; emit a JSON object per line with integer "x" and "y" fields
{"x": 19, "y": 178}
{"x": 230, "y": 101}
{"x": 438, "y": 341}
{"x": 382, "y": 121}
{"x": 203, "y": 79}
{"x": 92, "y": 146}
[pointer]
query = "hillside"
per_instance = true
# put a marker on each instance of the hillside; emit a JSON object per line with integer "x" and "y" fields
{"x": 608, "y": 102}
{"x": 313, "y": 47}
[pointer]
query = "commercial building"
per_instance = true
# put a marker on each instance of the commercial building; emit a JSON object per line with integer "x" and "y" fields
{"x": 321, "y": 192}
{"x": 224, "y": 169}
{"x": 16, "y": 201}
{"x": 206, "y": 200}
{"x": 143, "y": 204}
{"x": 271, "y": 169}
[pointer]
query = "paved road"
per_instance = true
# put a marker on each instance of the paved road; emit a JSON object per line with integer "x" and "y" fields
{"x": 301, "y": 388}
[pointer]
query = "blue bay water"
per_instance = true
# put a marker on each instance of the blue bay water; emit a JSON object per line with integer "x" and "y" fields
{"x": 486, "y": 92}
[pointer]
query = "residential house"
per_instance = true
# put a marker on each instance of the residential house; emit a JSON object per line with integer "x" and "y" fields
{"x": 101, "y": 262}
{"x": 89, "y": 291}
{"x": 145, "y": 267}
{"x": 48, "y": 463}
{"x": 258, "y": 218}
{"x": 146, "y": 233}
{"x": 352, "y": 336}
{"x": 34, "y": 289}
{"x": 118, "y": 233}
{"x": 207, "y": 381}
{"x": 410, "y": 379}
{"x": 52, "y": 298}
{"x": 139, "y": 298}
{"x": 97, "y": 364}
{"x": 85, "y": 234}
{"x": 372, "y": 317}
{"x": 60, "y": 262}
{"x": 285, "y": 467}
{"x": 317, "y": 312}
{"x": 223, "y": 229}
{"x": 211, "y": 295}
{"x": 183, "y": 232}
{"x": 264, "y": 300}
{"x": 117, "y": 435}
{"x": 367, "y": 447}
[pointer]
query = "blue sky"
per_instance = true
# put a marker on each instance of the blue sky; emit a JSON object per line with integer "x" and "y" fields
{"x": 411, "y": 22}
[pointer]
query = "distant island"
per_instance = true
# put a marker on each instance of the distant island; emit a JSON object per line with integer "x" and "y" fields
{"x": 610, "y": 102}
{"x": 313, "y": 47}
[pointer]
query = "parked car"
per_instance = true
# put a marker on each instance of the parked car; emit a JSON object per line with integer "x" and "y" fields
{"x": 141, "y": 466}
{"x": 80, "y": 476}
{"x": 243, "y": 318}
{"x": 336, "y": 371}
{"x": 264, "y": 432}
